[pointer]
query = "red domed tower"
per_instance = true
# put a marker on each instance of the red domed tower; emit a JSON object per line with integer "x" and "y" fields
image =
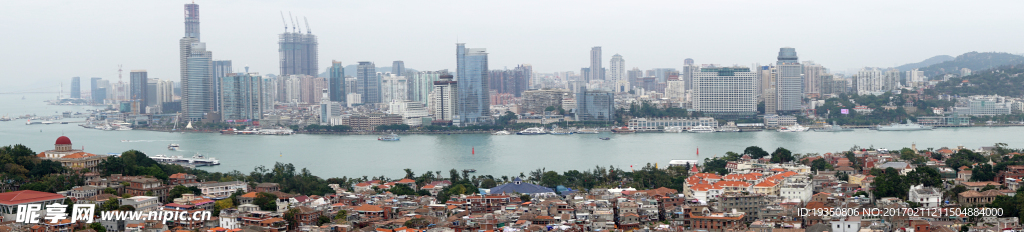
{"x": 63, "y": 144}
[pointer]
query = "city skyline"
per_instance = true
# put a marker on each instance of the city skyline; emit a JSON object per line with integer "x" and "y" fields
{"x": 252, "y": 41}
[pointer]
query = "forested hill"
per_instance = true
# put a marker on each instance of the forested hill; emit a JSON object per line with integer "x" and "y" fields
{"x": 1003, "y": 81}
{"x": 925, "y": 63}
{"x": 976, "y": 61}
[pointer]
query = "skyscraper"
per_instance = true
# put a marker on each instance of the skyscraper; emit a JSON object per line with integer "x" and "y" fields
{"x": 393, "y": 88}
{"x": 325, "y": 107}
{"x": 812, "y": 77}
{"x": 422, "y": 84}
{"x": 93, "y": 86}
{"x": 76, "y": 87}
{"x": 444, "y": 98}
{"x": 474, "y": 97}
{"x": 868, "y": 80}
{"x": 192, "y": 20}
{"x": 398, "y": 68}
{"x": 221, "y": 68}
{"x": 196, "y": 87}
{"x": 595, "y": 64}
{"x": 337, "y": 81}
{"x": 617, "y": 68}
{"x": 725, "y": 91}
{"x": 242, "y": 97}
{"x": 139, "y": 82}
{"x": 369, "y": 82}
{"x": 298, "y": 52}
{"x": 789, "y": 81}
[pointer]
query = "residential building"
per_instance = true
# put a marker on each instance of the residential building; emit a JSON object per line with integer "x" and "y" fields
{"x": 393, "y": 87}
{"x": 326, "y": 112}
{"x": 146, "y": 186}
{"x": 983, "y": 105}
{"x": 142, "y": 203}
{"x": 869, "y": 80}
{"x": 473, "y": 96}
{"x": 812, "y": 77}
{"x": 788, "y": 81}
{"x": 538, "y": 100}
{"x": 421, "y": 84}
{"x": 928, "y": 197}
{"x": 725, "y": 91}
{"x": 241, "y": 97}
{"x": 595, "y": 105}
{"x": 413, "y": 112}
{"x": 221, "y": 68}
{"x": 596, "y": 72}
{"x": 617, "y": 69}
{"x": 222, "y": 189}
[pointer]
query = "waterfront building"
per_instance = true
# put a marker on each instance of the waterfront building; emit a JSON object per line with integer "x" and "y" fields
{"x": 538, "y": 100}
{"x": 725, "y": 91}
{"x": 660, "y": 124}
{"x": 412, "y": 112}
{"x": 336, "y": 82}
{"x": 445, "y": 99}
{"x": 595, "y": 105}
{"x": 951, "y": 120}
{"x": 196, "y": 96}
{"x": 241, "y": 97}
{"x": 369, "y": 84}
{"x": 298, "y": 52}
{"x": 393, "y": 87}
{"x": 788, "y": 81}
{"x": 369, "y": 122}
{"x": 595, "y": 70}
{"x": 73, "y": 159}
{"x": 473, "y": 96}
{"x": 983, "y": 105}
{"x": 76, "y": 87}
{"x": 139, "y": 82}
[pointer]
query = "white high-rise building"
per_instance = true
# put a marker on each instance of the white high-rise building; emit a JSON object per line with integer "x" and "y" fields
{"x": 325, "y": 108}
{"x": 891, "y": 80}
{"x": 393, "y": 87}
{"x": 789, "y": 81}
{"x": 725, "y": 91}
{"x": 444, "y": 99}
{"x": 617, "y": 68}
{"x": 915, "y": 78}
{"x": 869, "y": 80}
{"x": 293, "y": 89}
{"x": 812, "y": 77}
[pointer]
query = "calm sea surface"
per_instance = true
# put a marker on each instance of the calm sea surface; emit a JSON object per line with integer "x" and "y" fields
{"x": 358, "y": 155}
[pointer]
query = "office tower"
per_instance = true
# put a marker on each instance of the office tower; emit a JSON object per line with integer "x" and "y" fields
{"x": 595, "y": 64}
{"x": 76, "y": 87}
{"x": 868, "y": 80}
{"x": 687, "y": 74}
{"x": 398, "y": 68}
{"x": 788, "y": 81}
{"x": 164, "y": 93}
{"x": 221, "y": 68}
{"x": 139, "y": 88}
{"x": 634, "y": 76}
{"x": 617, "y": 68}
{"x": 192, "y": 20}
{"x": 369, "y": 82}
{"x": 474, "y": 98}
{"x": 725, "y": 91}
{"x": 444, "y": 98}
{"x": 196, "y": 87}
{"x": 766, "y": 89}
{"x": 241, "y": 97}
{"x": 812, "y": 77}
{"x": 337, "y": 81}
{"x": 298, "y": 52}
{"x": 325, "y": 107}
{"x": 661, "y": 74}
{"x": 393, "y": 88}
{"x": 584, "y": 75}
{"x": 891, "y": 81}
{"x": 351, "y": 87}
{"x": 595, "y": 105}
{"x": 269, "y": 94}
{"x": 100, "y": 93}
{"x": 151, "y": 90}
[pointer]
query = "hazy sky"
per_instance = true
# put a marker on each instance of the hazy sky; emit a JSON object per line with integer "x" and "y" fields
{"x": 47, "y": 41}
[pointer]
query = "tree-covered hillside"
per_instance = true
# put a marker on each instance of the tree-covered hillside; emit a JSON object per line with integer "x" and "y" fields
{"x": 976, "y": 61}
{"x": 1003, "y": 81}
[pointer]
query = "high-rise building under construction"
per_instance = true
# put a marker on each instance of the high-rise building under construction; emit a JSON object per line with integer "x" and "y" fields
{"x": 298, "y": 51}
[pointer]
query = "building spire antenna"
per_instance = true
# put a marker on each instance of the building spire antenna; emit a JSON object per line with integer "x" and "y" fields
{"x": 308, "y": 31}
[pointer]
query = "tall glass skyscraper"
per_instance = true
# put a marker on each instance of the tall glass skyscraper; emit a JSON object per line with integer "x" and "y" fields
{"x": 336, "y": 81}
{"x": 139, "y": 87}
{"x": 789, "y": 81}
{"x": 76, "y": 87}
{"x": 196, "y": 97}
{"x": 369, "y": 82}
{"x": 241, "y": 97}
{"x": 474, "y": 97}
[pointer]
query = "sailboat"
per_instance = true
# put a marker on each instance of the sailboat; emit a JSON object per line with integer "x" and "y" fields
{"x": 189, "y": 126}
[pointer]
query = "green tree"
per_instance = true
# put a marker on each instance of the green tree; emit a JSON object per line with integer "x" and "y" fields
{"x": 109, "y": 205}
{"x": 341, "y": 215}
{"x": 322, "y": 220}
{"x": 266, "y": 201}
{"x": 524, "y": 197}
{"x": 97, "y": 227}
{"x": 401, "y": 189}
{"x": 488, "y": 183}
{"x": 755, "y": 152}
{"x": 820, "y": 164}
{"x": 782, "y": 155}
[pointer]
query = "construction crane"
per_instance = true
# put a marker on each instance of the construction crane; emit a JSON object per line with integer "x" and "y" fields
{"x": 308, "y": 31}
{"x": 284, "y": 22}
{"x": 299, "y": 24}
{"x": 292, "y": 19}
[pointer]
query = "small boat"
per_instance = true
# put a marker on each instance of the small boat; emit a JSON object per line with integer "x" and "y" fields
{"x": 173, "y": 147}
{"x": 606, "y": 138}
{"x": 125, "y": 141}
{"x": 501, "y": 133}
{"x": 532, "y": 131}
{"x": 391, "y": 137}
{"x": 587, "y": 131}
{"x": 5, "y": 118}
{"x": 469, "y": 170}
{"x": 701, "y": 129}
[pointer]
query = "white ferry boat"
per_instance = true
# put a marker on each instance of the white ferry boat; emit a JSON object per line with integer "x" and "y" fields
{"x": 701, "y": 129}
{"x": 533, "y": 131}
{"x": 391, "y": 137}
{"x": 504, "y": 132}
{"x": 587, "y": 131}
{"x": 793, "y": 128}
{"x": 173, "y": 147}
{"x": 196, "y": 160}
